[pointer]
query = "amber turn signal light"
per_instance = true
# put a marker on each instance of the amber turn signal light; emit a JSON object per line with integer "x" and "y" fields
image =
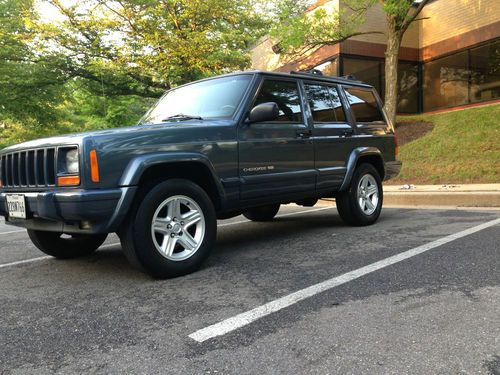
{"x": 94, "y": 167}
{"x": 68, "y": 180}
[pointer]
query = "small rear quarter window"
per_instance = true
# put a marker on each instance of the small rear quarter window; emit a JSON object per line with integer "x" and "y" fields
{"x": 364, "y": 105}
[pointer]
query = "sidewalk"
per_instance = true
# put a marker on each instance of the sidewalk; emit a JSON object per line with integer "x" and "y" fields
{"x": 454, "y": 195}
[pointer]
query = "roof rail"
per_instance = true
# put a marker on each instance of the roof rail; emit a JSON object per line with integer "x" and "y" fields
{"x": 350, "y": 77}
{"x": 314, "y": 72}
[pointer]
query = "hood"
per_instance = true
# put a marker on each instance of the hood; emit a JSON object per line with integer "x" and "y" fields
{"x": 128, "y": 132}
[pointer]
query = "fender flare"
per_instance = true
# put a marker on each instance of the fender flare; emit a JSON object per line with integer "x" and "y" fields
{"x": 354, "y": 156}
{"x": 137, "y": 166}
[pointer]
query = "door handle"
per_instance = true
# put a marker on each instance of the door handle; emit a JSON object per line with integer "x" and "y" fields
{"x": 304, "y": 133}
{"x": 347, "y": 133}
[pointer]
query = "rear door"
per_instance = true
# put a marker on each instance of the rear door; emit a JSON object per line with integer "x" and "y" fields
{"x": 332, "y": 133}
{"x": 276, "y": 158}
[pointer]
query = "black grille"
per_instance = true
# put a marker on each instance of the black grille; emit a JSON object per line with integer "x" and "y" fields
{"x": 29, "y": 168}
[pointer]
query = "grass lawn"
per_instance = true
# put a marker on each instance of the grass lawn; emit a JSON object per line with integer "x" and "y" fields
{"x": 463, "y": 147}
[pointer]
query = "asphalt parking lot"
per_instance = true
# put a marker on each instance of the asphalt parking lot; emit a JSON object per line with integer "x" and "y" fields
{"x": 416, "y": 293}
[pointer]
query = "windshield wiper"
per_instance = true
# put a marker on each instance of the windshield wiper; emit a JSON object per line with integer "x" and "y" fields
{"x": 182, "y": 117}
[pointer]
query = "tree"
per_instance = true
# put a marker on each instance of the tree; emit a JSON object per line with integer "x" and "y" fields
{"x": 30, "y": 85}
{"x": 301, "y": 35}
{"x": 143, "y": 47}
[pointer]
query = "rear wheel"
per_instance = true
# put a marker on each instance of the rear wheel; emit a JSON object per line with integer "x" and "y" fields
{"x": 263, "y": 213}
{"x": 73, "y": 246}
{"x": 171, "y": 230}
{"x": 362, "y": 203}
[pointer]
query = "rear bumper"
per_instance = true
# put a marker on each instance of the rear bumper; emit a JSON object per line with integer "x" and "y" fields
{"x": 392, "y": 169}
{"x": 82, "y": 211}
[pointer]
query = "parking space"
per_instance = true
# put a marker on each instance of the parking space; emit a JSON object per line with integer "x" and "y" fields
{"x": 434, "y": 312}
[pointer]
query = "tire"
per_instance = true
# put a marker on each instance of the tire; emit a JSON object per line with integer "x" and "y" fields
{"x": 361, "y": 204}
{"x": 78, "y": 245}
{"x": 263, "y": 213}
{"x": 171, "y": 230}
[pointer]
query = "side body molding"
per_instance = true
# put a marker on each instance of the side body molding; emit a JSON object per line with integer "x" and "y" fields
{"x": 354, "y": 156}
{"x": 137, "y": 166}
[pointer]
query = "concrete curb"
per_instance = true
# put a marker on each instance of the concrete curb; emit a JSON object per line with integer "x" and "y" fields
{"x": 453, "y": 199}
{"x": 468, "y": 195}
{"x": 446, "y": 196}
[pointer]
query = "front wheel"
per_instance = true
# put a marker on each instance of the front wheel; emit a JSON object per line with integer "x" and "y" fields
{"x": 172, "y": 229}
{"x": 73, "y": 246}
{"x": 362, "y": 203}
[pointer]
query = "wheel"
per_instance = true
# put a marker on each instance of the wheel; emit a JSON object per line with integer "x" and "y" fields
{"x": 362, "y": 203}
{"x": 77, "y": 245}
{"x": 263, "y": 213}
{"x": 171, "y": 230}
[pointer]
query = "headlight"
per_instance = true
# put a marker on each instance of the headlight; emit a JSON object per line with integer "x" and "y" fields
{"x": 72, "y": 165}
{"x": 71, "y": 162}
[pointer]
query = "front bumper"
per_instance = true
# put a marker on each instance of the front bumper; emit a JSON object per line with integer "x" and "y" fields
{"x": 79, "y": 211}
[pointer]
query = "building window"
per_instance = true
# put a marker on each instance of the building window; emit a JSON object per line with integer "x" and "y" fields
{"x": 408, "y": 87}
{"x": 372, "y": 71}
{"x": 329, "y": 68}
{"x": 368, "y": 71}
{"x": 485, "y": 72}
{"x": 446, "y": 82}
{"x": 465, "y": 77}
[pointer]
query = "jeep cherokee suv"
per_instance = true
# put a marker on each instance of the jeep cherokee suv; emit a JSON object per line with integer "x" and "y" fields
{"x": 242, "y": 143}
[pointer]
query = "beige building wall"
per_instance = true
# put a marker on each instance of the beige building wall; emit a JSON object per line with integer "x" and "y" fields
{"x": 375, "y": 21}
{"x": 263, "y": 57}
{"x": 449, "y": 18}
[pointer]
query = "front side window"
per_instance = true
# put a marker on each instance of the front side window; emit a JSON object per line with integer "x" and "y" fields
{"x": 214, "y": 98}
{"x": 286, "y": 95}
{"x": 364, "y": 105}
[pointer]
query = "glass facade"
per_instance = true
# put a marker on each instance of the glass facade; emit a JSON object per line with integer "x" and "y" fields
{"x": 372, "y": 71}
{"x": 465, "y": 77}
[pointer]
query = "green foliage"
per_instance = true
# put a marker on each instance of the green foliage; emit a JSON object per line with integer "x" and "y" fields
{"x": 463, "y": 147}
{"x": 29, "y": 84}
{"x": 299, "y": 32}
{"x": 104, "y": 62}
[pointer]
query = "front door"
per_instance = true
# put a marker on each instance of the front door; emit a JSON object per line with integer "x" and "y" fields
{"x": 277, "y": 158}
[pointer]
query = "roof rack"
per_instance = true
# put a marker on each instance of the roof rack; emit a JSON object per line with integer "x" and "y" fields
{"x": 314, "y": 72}
{"x": 350, "y": 77}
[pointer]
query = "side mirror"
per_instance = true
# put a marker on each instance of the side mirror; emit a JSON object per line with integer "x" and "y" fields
{"x": 264, "y": 112}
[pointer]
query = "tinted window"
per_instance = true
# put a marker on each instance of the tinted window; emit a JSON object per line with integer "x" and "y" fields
{"x": 364, "y": 105}
{"x": 286, "y": 95}
{"x": 324, "y": 103}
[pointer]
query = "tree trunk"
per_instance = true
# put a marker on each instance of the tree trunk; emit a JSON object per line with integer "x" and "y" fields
{"x": 391, "y": 70}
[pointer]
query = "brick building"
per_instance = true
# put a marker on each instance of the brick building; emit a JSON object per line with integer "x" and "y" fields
{"x": 449, "y": 58}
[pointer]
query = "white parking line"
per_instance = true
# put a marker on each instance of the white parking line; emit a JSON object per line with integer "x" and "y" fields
{"x": 13, "y": 231}
{"x": 24, "y": 261}
{"x": 250, "y": 316}
{"x": 117, "y": 243}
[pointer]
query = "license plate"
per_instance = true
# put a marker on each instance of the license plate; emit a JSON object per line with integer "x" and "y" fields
{"x": 16, "y": 205}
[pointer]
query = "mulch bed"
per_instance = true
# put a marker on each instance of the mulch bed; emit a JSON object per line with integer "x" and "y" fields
{"x": 408, "y": 131}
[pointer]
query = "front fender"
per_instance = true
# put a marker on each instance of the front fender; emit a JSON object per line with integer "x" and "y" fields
{"x": 355, "y": 155}
{"x": 137, "y": 166}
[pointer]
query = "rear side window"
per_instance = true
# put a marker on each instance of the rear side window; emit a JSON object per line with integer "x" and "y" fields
{"x": 286, "y": 95}
{"x": 325, "y": 103}
{"x": 364, "y": 105}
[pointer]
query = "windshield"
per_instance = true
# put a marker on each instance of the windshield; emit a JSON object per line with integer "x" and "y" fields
{"x": 215, "y": 98}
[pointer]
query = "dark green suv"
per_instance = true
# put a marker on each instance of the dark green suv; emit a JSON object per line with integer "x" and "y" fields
{"x": 241, "y": 143}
